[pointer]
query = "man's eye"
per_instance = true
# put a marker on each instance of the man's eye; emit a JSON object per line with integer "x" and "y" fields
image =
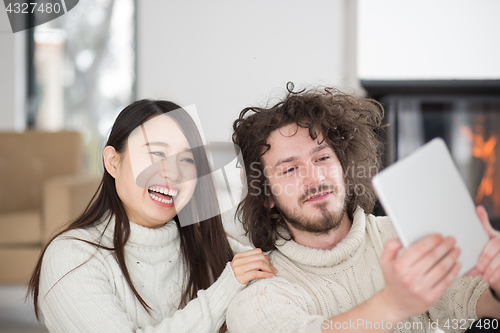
{"x": 158, "y": 153}
{"x": 324, "y": 158}
{"x": 289, "y": 170}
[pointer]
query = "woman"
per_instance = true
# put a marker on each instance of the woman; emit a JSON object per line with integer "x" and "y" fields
{"x": 137, "y": 260}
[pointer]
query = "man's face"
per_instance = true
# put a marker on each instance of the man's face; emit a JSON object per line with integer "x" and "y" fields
{"x": 305, "y": 179}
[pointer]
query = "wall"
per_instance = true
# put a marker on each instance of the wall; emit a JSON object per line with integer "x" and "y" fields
{"x": 226, "y": 55}
{"x": 12, "y": 74}
{"x": 428, "y": 39}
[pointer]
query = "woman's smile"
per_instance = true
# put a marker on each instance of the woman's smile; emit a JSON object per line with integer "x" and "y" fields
{"x": 163, "y": 195}
{"x": 154, "y": 190}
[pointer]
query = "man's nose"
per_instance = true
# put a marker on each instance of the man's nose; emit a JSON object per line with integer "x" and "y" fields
{"x": 315, "y": 174}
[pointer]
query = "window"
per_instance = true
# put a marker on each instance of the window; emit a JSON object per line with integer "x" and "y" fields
{"x": 84, "y": 71}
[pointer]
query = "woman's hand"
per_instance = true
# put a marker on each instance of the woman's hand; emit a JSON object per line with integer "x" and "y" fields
{"x": 251, "y": 265}
{"x": 415, "y": 280}
{"x": 488, "y": 265}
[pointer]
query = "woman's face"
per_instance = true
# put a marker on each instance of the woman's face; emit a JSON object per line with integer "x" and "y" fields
{"x": 156, "y": 176}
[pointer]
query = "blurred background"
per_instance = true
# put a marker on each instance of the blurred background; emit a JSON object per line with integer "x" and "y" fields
{"x": 432, "y": 63}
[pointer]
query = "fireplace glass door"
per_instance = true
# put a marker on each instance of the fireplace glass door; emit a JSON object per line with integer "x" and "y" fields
{"x": 469, "y": 125}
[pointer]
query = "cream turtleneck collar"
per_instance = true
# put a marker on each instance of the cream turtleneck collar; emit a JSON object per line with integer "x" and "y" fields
{"x": 142, "y": 236}
{"x": 327, "y": 258}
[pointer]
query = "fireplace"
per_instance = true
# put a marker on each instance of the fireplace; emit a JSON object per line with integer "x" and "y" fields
{"x": 466, "y": 114}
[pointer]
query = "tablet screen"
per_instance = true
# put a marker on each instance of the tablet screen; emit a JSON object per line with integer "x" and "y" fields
{"x": 425, "y": 194}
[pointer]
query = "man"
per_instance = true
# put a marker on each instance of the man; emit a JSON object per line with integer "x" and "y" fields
{"x": 309, "y": 161}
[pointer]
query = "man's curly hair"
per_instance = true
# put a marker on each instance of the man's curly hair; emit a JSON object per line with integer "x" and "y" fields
{"x": 345, "y": 122}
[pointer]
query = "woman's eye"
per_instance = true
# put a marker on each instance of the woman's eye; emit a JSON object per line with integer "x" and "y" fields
{"x": 188, "y": 160}
{"x": 158, "y": 153}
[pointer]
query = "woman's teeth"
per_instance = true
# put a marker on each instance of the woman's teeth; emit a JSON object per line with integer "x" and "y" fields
{"x": 163, "y": 190}
{"x": 154, "y": 197}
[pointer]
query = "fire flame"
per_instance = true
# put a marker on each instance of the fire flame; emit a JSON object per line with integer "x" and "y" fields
{"x": 485, "y": 150}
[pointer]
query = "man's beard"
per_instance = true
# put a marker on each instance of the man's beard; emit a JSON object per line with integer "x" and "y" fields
{"x": 328, "y": 221}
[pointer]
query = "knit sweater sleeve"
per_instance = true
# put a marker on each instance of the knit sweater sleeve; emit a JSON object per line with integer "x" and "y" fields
{"x": 458, "y": 304}
{"x": 77, "y": 294}
{"x": 272, "y": 305}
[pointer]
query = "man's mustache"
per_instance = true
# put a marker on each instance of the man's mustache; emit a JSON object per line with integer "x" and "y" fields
{"x": 317, "y": 189}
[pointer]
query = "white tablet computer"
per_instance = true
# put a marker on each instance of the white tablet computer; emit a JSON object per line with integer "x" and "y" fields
{"x": 425, "y": 194}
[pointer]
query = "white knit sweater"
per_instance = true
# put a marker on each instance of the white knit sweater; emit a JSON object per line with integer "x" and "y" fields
{"x": 83, "y": 290}
{"x": 313, "y": 285}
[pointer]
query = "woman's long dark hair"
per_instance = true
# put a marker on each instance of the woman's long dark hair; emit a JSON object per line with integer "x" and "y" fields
{"x": 204, "y": 245}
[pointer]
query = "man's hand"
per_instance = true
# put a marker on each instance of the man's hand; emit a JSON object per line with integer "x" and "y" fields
{"x": 488, "y": 265}
{"x": 415, "y": 280}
